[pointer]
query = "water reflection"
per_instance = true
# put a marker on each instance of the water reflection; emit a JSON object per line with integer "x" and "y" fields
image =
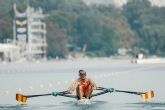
{"x": 96, "y": 105}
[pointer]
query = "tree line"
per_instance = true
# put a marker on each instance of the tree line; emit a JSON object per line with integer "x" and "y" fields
{"x": 103, "y": 29}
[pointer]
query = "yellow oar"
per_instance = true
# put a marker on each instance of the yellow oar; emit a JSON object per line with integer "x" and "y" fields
{"x": 144, "y": 95}
{"x": 23, "y": 98}
{"x": 147, "y": 95}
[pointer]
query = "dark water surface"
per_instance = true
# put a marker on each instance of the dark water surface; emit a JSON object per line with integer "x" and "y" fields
{"x": 96, "y": 105}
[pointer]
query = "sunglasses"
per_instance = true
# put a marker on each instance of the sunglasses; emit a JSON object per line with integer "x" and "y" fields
{"x": 82, "y": 74}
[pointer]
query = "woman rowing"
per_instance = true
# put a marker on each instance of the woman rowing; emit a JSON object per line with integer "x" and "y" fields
{"x": 84, "y": 86}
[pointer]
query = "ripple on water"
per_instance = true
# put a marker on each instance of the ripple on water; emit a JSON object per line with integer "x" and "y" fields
{"x": 150, "y": 105}
{"x": 95, "y": 105}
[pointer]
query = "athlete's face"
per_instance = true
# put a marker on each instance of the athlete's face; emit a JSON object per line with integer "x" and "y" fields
{"x": 82, "y": 76}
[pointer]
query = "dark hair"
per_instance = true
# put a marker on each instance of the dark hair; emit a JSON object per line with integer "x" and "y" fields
{"x": 82, "y": 72}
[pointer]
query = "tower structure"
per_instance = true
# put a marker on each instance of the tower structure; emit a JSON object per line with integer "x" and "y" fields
{"x": 30, "y": 33}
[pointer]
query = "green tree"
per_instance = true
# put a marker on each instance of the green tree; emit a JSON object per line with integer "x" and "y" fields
{"x": 148, "y": 22}
{"x": 57, "y": 40}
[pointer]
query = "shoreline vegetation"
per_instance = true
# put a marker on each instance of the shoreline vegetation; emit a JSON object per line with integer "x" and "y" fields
{"x": 96, "y": 30}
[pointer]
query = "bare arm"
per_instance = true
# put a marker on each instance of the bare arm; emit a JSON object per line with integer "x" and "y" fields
{"x": 92, "y": 83}
{"x": 72, "y": 87}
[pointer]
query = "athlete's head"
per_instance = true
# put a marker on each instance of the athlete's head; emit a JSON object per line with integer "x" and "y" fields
{"x": 82, "y": 74}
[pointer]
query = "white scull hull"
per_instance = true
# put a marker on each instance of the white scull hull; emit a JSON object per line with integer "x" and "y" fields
{"x": 84, "y": 102}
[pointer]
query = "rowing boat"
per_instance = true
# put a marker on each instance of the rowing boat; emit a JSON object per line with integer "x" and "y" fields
{"x": 84, "y": 102}
{"x": 144, "y": 95}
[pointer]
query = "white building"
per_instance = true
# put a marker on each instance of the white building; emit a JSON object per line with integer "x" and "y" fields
{"x": 9, "y": 52}
{"x": 30, "y": 33}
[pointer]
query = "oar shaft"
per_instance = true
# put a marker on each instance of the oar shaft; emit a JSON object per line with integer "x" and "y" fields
{"x": 38, "y": 95}
{"x": 130, "y": 92}
{"x": 30, "y": 96}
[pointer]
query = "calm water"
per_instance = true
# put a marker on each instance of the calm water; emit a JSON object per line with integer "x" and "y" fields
{"x": 45, "y": 77}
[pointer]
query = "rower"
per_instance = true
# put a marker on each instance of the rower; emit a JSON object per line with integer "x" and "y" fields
{"x": 83, "y": 85}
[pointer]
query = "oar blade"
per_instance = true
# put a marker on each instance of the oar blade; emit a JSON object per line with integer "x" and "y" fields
{"x": 147, "y": 95}
{"x": 21, "y": 98}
